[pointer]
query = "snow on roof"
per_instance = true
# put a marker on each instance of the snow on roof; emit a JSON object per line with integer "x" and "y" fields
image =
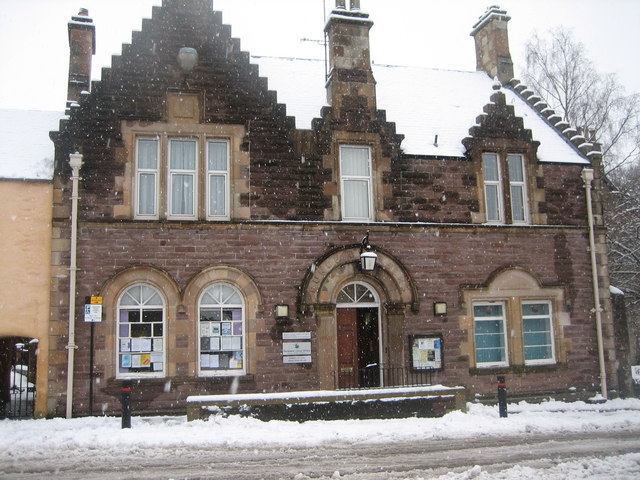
{"x": 422, "y": 102}
{"x": 26, "y": 152}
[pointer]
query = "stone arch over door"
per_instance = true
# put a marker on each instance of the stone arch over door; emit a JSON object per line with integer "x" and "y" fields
{"x": 322, "y": 285}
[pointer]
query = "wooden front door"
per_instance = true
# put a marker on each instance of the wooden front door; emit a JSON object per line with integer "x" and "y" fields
{"x": 347, "y": 348}
{"x": 358, "y": 347}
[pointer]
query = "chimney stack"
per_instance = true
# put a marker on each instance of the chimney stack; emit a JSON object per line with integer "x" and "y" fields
{"x": 492, "y": 44}
{"x": 350, "y": 73}
{"x": 82, "y": 46}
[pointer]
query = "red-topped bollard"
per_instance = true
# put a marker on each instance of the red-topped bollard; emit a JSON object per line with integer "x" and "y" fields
{"x": 502, "y": 397}
{"x": 126, "y": 404}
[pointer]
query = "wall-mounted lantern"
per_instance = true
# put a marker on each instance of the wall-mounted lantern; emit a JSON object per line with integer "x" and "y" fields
{"x": 367, "y": 257}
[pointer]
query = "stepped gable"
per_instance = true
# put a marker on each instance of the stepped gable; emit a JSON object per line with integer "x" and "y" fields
{"x": 575, "y": 137}
{"x": 499, "y": 120}
{"x": 135, "y": 86}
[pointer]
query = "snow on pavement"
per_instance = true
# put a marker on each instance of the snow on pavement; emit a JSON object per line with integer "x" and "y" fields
{"x": 105, "y": 434}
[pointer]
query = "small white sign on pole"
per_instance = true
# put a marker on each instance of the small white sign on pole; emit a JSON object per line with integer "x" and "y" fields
{"x": 635, "y": 373}
{"x": 92, "y": 313}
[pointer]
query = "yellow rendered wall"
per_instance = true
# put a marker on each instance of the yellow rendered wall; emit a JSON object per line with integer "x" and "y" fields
{"x": 25, "y": 262}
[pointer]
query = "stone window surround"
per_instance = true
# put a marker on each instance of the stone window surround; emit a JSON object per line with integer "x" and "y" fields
{"x": 185, "y": 126}
{"x": 181, "y": 321}
{"x": 379, "y": 166}
{"x": 534, "y": 195}
{"x": 513, "y": 286}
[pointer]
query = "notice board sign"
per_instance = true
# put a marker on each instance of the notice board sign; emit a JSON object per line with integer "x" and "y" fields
{"x": 426, "y": 352}
{"x": 296, "y": 347}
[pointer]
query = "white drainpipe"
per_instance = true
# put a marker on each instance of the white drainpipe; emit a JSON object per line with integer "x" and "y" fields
{"x": 587, "y": 177}
{"x": 75, "y": 161}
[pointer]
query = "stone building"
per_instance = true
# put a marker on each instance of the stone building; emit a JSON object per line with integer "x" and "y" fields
{"x": 223, "y": 210}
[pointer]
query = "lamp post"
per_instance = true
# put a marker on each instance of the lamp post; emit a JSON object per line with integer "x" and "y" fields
{"x": 368, "y": 258}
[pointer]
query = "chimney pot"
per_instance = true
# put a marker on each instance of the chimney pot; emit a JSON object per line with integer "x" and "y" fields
{"x": 83, "y": 12}
{"x": 492, "y": 44}
{"x": 341, "y": 4}
{"x": 354, "y": 4}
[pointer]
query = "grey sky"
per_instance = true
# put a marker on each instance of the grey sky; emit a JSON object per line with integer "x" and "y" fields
{"x": 432, "y": 33}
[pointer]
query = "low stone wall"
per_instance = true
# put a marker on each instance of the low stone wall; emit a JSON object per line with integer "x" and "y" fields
{"x": 332, "y": 405}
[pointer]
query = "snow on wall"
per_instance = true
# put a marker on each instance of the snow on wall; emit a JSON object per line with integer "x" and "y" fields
{"x": 26, "y": 152}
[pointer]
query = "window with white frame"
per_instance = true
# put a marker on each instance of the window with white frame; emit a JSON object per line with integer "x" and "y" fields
{"x": 492, "y": 188}
{"x": 356, "y": 183}
{"x": 147, "y": 178}
{"x": 490, "y": 334}
{"x": 517, "y": 188}
{"x": 169, "y": 172}
{"x": 537, "y": 332}
{"x": 217, "y": 179}
{"x": 495, "y": 198}
{"x": 140, "y": 332}
{"x": 182, "y": 178}
{"x": 221, "y": 331}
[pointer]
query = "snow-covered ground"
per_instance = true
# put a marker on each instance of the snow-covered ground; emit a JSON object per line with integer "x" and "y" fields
{"x": 84, "y": 436}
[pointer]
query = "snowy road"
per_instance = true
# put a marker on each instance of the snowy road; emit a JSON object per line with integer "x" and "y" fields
{"x": 549, "y": 441}
{"x": 403, "y": 460}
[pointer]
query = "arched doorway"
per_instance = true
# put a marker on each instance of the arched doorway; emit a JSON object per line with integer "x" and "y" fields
{"x": 391, "y": 292}
{"x": 359, "y": 336}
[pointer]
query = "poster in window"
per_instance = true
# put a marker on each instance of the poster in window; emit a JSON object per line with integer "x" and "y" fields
{"x": 426, "y": 352}
{"x": 227, "y": 343}
{"x": 125, "y": 345}
{"x": 136, "y": 361}
{"x": 214, "y": 343}
{"x": 226, "y": 328}
{"x": 205, "y": 329}
{"x": 145, "y": 360}
{"x": 126, "y": 361}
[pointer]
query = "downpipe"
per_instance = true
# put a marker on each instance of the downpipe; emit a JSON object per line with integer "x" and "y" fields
{"x": 75, "y": 161}
{"x": 587, "y": 177}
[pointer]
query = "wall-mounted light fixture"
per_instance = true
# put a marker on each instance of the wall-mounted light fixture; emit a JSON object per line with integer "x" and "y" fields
{"x": 440, "y": 308}
{"x": 282, "y": 314}
{"x": 187, "y": 59}
{"x": 367, "y": 257}
{"x": 282, "y": 311}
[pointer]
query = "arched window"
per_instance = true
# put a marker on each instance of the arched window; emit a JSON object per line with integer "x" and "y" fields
{"x": 141, "y": 329}
{"x": 357, "y": 294}
{"x": 221, "y": 331}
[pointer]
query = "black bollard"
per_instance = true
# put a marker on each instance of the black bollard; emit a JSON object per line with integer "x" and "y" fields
{"x": 502, "y": 397}
{"x": 126, "y": 404}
